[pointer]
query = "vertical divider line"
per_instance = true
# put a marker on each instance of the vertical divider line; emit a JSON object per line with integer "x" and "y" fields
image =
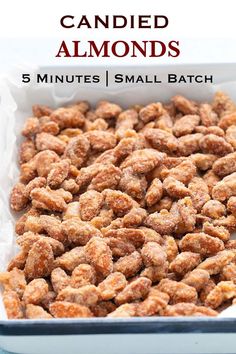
{"x": 107, "y": 78}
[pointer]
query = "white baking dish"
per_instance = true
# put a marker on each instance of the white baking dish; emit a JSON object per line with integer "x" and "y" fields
{"x": 113, "y": 336}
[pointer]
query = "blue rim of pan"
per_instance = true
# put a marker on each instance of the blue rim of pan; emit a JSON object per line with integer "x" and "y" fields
{"x": 117, "y": 326}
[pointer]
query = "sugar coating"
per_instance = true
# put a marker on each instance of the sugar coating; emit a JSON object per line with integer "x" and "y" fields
{"x": 125, "y": 212}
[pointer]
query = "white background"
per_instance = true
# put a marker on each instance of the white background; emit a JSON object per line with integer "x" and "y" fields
{"x": 30, "y": 31}
{"x": 188, "y": 18}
